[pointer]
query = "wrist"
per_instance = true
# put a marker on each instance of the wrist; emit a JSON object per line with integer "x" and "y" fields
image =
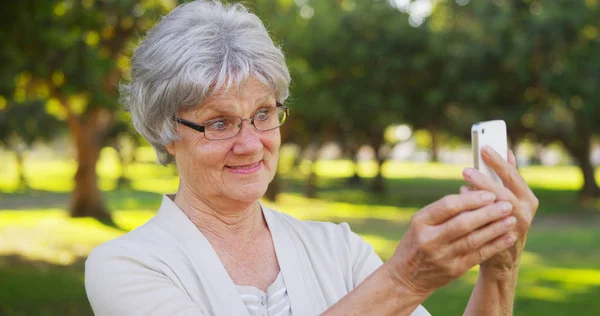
{"x": 402, "y": 285}
{"x": 499, "y": 274}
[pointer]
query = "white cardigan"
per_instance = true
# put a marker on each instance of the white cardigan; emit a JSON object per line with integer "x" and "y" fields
{"x": 167, "y": 267}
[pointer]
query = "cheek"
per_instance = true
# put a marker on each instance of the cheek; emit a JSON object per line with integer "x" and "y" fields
{"x": 273, "y": 142}
{"x": 208, "y": 155}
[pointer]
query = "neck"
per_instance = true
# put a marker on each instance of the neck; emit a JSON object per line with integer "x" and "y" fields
{"x": 226, "y": 221}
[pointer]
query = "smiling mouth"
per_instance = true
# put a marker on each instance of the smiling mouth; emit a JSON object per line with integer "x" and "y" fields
{"x": 246, "y": 168}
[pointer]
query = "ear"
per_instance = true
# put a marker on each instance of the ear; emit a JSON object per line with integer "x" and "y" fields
{"x": 171, "y": 148}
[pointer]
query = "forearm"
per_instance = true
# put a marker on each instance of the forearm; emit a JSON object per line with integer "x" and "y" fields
{"x": 494, "y": 293}
{"x": 379, "y": 294}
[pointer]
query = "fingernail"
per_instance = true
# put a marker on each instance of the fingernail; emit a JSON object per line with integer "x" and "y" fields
{"x": 469, "y": 172}
{"x": 488, "y": 196}
{"x": 509, "y": 222}
{"x": 505, "y": 207}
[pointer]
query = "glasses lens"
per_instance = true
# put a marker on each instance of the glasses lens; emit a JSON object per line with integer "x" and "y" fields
{"x": 265, "y": 120}
{"x": 222, "y": 127}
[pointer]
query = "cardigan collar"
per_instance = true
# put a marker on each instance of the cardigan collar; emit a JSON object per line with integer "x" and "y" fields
{"x": 209, "y": 268}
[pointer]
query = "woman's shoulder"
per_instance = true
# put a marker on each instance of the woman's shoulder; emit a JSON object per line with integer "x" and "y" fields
{"x": 336, "y": 236}
{"x": 310, "y": 226}
{"x": 332, "y": 244}
{"x": 159, "y": 233}
{"x": 149, "y": 235}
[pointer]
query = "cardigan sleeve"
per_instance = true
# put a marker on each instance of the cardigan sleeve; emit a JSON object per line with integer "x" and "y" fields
{"x": 365, "y": 261}
{"x": 120, "y": 282}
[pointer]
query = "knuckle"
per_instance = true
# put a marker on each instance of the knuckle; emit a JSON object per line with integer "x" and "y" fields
{"x": 481, "y": 255}
{"x": 455, "y": 270}
{"x": 513, "y": 175}
{"x": 534, "y": 203}
{"x": 450, "y": 202}
{"x": 461, "y": 225}
{"x": 472, "y": 241}
{"x": 423, "y": 243}
{"x": 417, "y": 218}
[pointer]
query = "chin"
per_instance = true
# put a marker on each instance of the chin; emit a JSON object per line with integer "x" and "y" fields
{"x": 249, "y": 192}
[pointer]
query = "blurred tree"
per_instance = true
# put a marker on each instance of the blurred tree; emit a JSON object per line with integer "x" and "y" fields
{"x": 350, "y": 62}
{"x": 23, "y": 125}
{"x": 73, "y": 55}
{"x": 534, "y": 65}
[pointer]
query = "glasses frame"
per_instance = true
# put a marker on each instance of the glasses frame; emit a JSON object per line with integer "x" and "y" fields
{"x": 200, "y": 128}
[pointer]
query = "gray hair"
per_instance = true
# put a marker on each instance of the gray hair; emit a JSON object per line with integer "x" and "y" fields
{"x": 198, "y": 48}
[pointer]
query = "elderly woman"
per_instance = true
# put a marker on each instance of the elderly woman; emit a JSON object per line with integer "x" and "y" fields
{"x": 207, "y": 91}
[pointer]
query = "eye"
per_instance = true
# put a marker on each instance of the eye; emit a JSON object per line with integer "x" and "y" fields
{"x": 218, "y": 124}
{"x": 262, "y": 115}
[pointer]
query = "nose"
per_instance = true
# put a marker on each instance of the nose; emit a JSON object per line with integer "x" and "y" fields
{"x": 248, "y": 140}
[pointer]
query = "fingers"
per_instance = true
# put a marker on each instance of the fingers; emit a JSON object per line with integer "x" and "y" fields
{"x": 479, "y": 181}
{"x": 490, "y": 249}
{"x": 451, "y": 205}
{"x": 512, "y": 160}
{"x": 465, "y": 189}
{"x": 468, "y": 222}
{"x": 507, "y": 172}
{"x": 480, "y": 237}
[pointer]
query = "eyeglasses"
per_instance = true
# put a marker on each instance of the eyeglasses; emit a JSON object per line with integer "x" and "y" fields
{"x": 229, "y": 126}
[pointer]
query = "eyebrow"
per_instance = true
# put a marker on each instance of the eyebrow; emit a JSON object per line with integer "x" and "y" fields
{"x": 226, "y": 108}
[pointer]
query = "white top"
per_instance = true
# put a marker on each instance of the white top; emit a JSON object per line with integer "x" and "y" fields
{"x": 273, "y": 303}
{"x": 167, "y": 267}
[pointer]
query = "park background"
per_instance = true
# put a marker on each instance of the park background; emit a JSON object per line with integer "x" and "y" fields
{"x": 383, "y": 97}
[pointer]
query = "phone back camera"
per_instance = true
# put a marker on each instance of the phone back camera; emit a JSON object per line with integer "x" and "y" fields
{"x": 483, "y": 131}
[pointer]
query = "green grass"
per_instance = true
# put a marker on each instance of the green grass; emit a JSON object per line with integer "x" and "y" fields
{"x": 42, "y": 250}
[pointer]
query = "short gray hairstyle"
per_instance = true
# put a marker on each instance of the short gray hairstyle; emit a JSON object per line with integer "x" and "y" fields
{"x": 198, "y": 48}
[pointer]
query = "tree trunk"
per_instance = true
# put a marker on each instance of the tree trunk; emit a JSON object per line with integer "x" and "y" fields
{"x": 274, "y": 188}
{"x": 122, "y": 181}
{"x": 581, "y": 152}
{"x": 590, "y": 189}
{"x": 311, "y": 180}
{"x": 23, "y": 185}
{"x": 536, "y": 159}
{"x": 379, "y": 183}
{"x": 434, "y": 145}
{"x": 86, "y": 200}
{"x": 378, "y": 186}
{"x": 355, "y": 179}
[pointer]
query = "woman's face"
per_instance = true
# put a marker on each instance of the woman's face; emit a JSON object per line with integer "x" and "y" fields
{"x": 239, "y": 168}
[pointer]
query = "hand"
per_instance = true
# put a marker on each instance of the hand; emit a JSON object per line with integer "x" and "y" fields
{"x": 514, "y": 190}
{"x": 445, "y": 240}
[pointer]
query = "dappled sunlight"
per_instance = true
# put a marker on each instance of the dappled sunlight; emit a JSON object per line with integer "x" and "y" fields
{"x": 422, "y": 170}
{"x": 560, "y": 265}
{"x": 384, "y": 247}
{"x": 530, "y": 258}
{"x": 315, "y": 209}
{"x": 129, "y": 220}
{"x": 556, "y": 284}
{"x": 561, "y": 177}
{"x": 159, "y": 186}
{"x": 340, "y": 168}
{"x": 57, "y": 175}
{"x": 51, "y": 235}
{"x": 584, "y": 277}
{"x": 544, "y": 293}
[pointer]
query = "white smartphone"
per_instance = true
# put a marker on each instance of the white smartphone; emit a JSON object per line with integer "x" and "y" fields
{"x": 493, "y": 134}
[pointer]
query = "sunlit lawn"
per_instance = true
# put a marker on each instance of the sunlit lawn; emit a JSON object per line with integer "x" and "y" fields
{"x": 42, "y": 249}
